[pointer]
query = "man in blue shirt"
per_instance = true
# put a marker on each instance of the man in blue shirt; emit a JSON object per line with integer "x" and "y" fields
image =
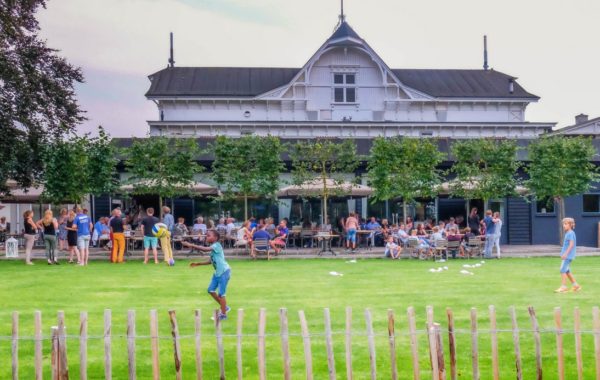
{"x": 374, "y": 226}
{"x": 262, "y": 236}
{"x": 490, "y": 232}
{"x": 83, "y": 224}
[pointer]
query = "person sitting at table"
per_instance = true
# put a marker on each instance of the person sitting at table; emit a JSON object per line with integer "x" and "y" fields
{"x": 454, "y": 236}
{"x": 253, "y": 224}
{"x": 199, "y": 227}
{"x": 374, "y": 226}
{"x": 429, "y": 224}
{"x": 221, "y": 226}
{"x": 422, "y": 244}
{"x": 261, "y": 235}
{"x": 409, "y": 224}
{"x": 179, "y": 231}
{"x": 281, "y": 233}
{"x": 442, "y": 227}
{"x": 385, "y": 229}
{"x": 436, "y": 235}
{"x": 402, "y": 235}
{"x": 420, "y": 231}
{"x": 451, "y": 224}
{"x": 391, "y": 248}
{"x": 244, "y": 235}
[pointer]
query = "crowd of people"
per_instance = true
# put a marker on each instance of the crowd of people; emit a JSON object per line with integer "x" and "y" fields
{"x": 427, "y": 233}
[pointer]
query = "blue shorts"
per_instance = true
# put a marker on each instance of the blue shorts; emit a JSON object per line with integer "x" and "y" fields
{"x": 220, "y": 282}
{"x": 351, "y": 235}
{"x": 150, "y": 242}
{"x": 565, "y": 266}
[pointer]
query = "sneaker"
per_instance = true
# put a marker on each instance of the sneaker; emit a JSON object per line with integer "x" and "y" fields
{"x": 227, "y": 310}
{"x": 562, "y": 289}
{"x": 576, "y": 288}
{"x": 29, "y": 263}
{"x": 222, "y": 317}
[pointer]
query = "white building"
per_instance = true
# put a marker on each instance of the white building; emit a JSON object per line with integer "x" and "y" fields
{"x": 345, "y": 90}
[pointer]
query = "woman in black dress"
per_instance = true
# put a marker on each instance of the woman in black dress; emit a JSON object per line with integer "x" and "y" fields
{"x": 72, "y": 238}
{"x": 473, "y": 221}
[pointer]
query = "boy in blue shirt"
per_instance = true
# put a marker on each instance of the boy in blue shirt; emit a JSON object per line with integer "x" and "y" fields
{"x": 222, "y": 270}
{"x": 567, "y": 254}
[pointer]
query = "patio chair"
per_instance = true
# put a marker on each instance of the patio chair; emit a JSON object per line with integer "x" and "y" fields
{"x": 440, "y": 249}
{"x": 306, "y": 234}
{"x": 474, "y": 246}
{"x": 453, "y": 247}
{"x": 413, "y": 248}
{"x": 261, "y": 246}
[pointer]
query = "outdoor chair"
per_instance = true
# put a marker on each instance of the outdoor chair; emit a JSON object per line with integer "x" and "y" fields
{"x": 474, "y": 246}
{"x": 440, "y": 249}
{"x": 261, "y": 246}
{"x": 306, "y": 234}
{"x": 453, "y": 247}
{"x": 413, "y": 248}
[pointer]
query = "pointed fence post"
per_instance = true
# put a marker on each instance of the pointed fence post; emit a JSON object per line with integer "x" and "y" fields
{"x": 131, "y": 344}
{"x": 494, "y": 336}
{"x": 329, "y": 345}
{"x": 517, "y": 345}
{"x": 220, "y": 349}
{"x": 307, "y": 348}
{"x": 596, "y": 319}
{"x": 154, "y": 344}
{"x": 371, "y": 339}
{"x": 176, "y": 344}
{"x": 451, "y": 344}
{"x": 83, "y": 338}
{"x": 107, "y": 344}
{"x": 560, "y": 358}
{"x": 38, "y": 345}
{"x": 578, "y": 356}
{"x": 240, "y": 323}
{"x": 412, "y": 325}
{"x": 538, "y": 342}
{"x": 392, "y": 341}
{"x": 474, "y": 345}
{"x": 285, "y": 343}
{"x": 262, "y": 360}
{"x": 63, "y": 365}
{"x": 349, "y": 372}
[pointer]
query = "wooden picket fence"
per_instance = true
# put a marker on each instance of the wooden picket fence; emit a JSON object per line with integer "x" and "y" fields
{"x": 442, "y": 362}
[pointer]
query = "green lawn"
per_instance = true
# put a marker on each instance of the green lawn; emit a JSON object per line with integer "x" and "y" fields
{"x": 298, "y": 285}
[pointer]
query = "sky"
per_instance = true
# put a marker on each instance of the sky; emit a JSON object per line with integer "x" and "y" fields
{"x": 552, "y": 46}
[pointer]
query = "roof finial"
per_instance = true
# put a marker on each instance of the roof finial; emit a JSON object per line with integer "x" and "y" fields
{"x": 485, "y": 53}
{"x": 342, "y": 15}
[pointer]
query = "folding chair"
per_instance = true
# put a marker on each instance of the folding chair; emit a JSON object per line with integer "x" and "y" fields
{"x": 413, "y": 247}
{"x": 306, "y": 234}
{"x": 261, "y": 246}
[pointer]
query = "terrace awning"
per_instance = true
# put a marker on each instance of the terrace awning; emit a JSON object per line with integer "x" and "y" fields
{"x": 315, "y": 188}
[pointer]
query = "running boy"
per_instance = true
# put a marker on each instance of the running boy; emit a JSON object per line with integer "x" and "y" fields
{"x": 567, "y": 254}
{"x": 222, "y": 270}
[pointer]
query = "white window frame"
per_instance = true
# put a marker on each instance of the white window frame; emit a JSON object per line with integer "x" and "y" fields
{"x": 345, "y": 86}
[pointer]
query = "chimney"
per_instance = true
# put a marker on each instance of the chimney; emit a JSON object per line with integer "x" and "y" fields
{"x": 511, "y": 85}
{"x": 485, "y": 53}
{"x": 581, "y": 118}
{"x": 171, "y": 58}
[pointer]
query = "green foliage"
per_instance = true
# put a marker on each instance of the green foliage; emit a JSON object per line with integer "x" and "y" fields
{"x": 76, "y": 166}
{"x": 404, "y": 167}
{"x": 102, "y": 164}
{"x": 66, "y": 170}
{"x": 249, "y": 165}
{"x": 163, "y": 166}
{"x": 321, "y": 160}
{"x": 37, "y": 95}
{"x": 561, "y": 166}
{"x": 484, "y": 168}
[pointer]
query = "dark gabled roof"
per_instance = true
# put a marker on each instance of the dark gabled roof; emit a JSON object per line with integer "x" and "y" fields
{"x": 218, "y": 81}
{"x": 462, "y": 83}
{"x": 344, "y": 30}
{"x": 253, "y": 81}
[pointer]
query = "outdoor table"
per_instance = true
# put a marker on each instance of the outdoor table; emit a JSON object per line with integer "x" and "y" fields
{"x": 365, "y": 234}
{"x": 325, "y": 240}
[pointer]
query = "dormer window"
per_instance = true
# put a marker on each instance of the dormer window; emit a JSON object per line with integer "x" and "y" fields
{"x": 344, "y": 90}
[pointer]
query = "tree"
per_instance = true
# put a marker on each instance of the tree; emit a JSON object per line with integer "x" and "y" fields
{"x": 404, "y": 167}
{"x": 162, "y": 166}
{"x": 320, "y": 160}
{"x": 484, "y": 169}
{"x": 249, "y": 165}
{"x": 102, "y": 173}
{"x": 37, "y": 96}
{"x": 77, "y": 166}
{"x": 560, "y": 167}
{"x": 66, "y": 178}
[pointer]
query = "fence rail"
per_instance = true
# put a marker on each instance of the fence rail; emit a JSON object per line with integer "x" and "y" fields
{"x": 442, "y": 363}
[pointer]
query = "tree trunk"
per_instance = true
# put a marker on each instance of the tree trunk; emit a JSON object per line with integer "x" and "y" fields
{"x": 404, "y": 211}
{"x": 560, "y": 201}
{"x": 245, "y": 207}
{"x": 160, "y": 206}
{"x": 325, "y": 209}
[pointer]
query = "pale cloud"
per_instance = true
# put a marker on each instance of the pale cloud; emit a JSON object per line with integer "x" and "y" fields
{"x": 549, "y": 44}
